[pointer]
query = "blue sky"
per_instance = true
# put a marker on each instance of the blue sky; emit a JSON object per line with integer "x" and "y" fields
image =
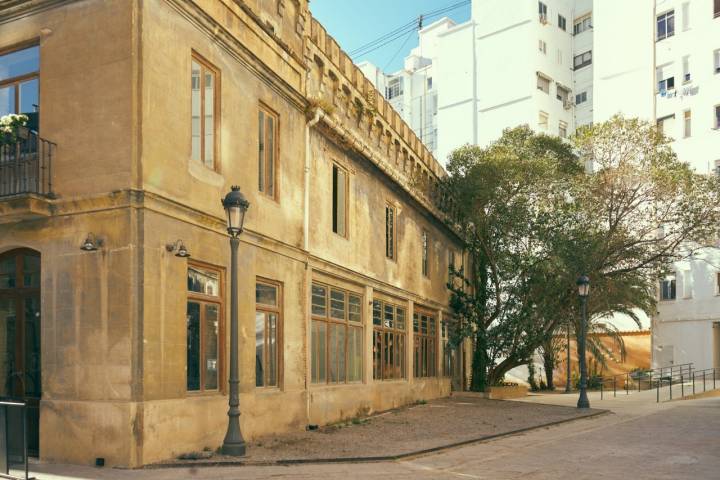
{"x": 354, "y": 23}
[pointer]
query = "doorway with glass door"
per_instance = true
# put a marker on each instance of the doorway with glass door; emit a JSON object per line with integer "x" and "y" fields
{"x": 20, "y": 341}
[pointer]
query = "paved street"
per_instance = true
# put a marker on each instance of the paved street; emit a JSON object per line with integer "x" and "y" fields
{"x": 641, "y": 439}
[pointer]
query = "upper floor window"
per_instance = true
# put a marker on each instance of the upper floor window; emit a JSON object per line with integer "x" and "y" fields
{"x": 687, "y": 123}
{"x": 581, "y": 24}
{"x": 582, "y": 60}
{"x": 580, "y": 98}
{"x": 425, "y": 259}
{"x": 390, "y": 219}
{"x": 394, "y": 88}
{"x": 665, "y": 81}
{"x": 339, "y": 200}
{"x": 204, "y": 100}
{"x": 686, "y": 68}
{"x": 543, "y": 83}
{"x": 716, "y": 122}
{"x": 716, "y": 9}
{"x": 667, "y": 287}
{"x": 542, "y": 46}
{"x": 562, "y": 129}
{"x": 543, "y": 119}
{"x": 268, "y": 326}
{"x": 686, "y": 16}
{"x": 562, "y": 23}
{"x": 267, "y": 151}
{"x": 336, "y": 335}
{"x": 562, "y": 94}
{"x": 543, "y": 11}
{"x": 451, "y": 264}
{"x": 204, "y": 323}
{"x": 19, "y": 84}
{"x": 388, "y": 341}
{"x": 716, "y": 61}
{"x": 666, "y": 25}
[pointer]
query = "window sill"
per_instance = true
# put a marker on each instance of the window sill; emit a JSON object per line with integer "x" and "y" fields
{"x": 330, "y": 386}
{"x": 204, "y": 394}
{"x": 268, "y": 390}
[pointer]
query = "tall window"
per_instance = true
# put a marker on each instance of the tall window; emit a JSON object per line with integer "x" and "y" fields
{"x": 581, "y": 24}
{"x": 204, "y": 100}
{"x": 425, "y": 253}
{"x": 543, "y": 83}
{"x": 543, "y": 120}
{"x": 666, "y": 125}
{"x": 542, "y": 46}
{"x": 19, "y": 80}
{"x": 667, "y": 287}
{"x": 390, "y": 220}
{"x": 451, "y": 263}
{"x": 716, "y": 9}
{"x": 204, "y": 327}
{"x": 686, "y": 68}
{"x": 716, "y": 61}
{"x": 582, "y": 60}
{"x": 388, "y": 341}
{"x": 562, "y": 129}
{"x": 562, "y": 23}
{"x": 425, "y": 351}
{"x": 339, "y": 200}
{"x": 580, "y": 98}
{"x": 268, "y": 333}
{"x": 716, "y": 122}
{"x": 687, "y": 123}
{"x": 665, "y": 25}
{"x": 686, "y": 16}
{"x": 336, "y": 336}
{"x": 449, "y": 352}
{"x": 267, "y": 151}
{"x": 562, "y": 94}
{"x": 542, "y": 10}
{"x": 394, "y": 88}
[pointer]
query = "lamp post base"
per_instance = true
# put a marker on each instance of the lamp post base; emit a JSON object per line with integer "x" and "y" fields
{"x": 233, "y": 449}
{"x": 583, "y": 401}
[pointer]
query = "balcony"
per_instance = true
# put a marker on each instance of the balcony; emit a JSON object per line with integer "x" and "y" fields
{"x": 25, "y": 176}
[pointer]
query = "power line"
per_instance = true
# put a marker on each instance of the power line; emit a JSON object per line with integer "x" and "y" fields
{"x": 399, "y": 32}
{"x": 398, "y": 50}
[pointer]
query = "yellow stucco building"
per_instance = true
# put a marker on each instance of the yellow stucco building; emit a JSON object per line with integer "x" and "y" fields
{"x": 142, "y": 115}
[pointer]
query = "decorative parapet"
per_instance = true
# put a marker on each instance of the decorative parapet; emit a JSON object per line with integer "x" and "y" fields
{"x": 356, "y": 109}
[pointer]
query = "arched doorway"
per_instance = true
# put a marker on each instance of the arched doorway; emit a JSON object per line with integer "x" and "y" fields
{"x": 20, "y": 334}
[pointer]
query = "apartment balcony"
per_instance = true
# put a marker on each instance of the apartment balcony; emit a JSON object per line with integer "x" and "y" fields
{"x": 25, "y": 176}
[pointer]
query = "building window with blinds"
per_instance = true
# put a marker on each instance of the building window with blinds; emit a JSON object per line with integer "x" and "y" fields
{"x": 390, "y": 221}
{"x": 336, "y": 335}
{"x": 204, "y": 115}
{"x": 425, "y": 348}
{"x": 267, "y": 151}
{"x": 339, "y": 200}
{"x": 268, "y": 333}
{"x": 389, "y": 326}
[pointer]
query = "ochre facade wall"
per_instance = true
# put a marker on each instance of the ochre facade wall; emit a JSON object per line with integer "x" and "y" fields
{"x": 115, "y": 97}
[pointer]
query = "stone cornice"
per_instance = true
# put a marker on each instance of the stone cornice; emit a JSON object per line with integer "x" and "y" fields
{"x": 16, "y": 9}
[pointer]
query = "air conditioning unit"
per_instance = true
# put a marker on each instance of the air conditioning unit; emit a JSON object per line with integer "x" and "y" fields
{"x": 567, "y": 105}
{"x": 543, "y": 19}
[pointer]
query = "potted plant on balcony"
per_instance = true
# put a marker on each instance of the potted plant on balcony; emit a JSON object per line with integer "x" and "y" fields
{"x": 13, "y": 127}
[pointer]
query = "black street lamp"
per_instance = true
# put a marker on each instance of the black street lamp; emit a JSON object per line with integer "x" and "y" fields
{"x": 583, "y": 284}
{"x": 235, "y": 206}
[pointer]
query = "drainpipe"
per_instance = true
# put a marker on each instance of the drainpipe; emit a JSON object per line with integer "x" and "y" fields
{"x": 306, "y": 243}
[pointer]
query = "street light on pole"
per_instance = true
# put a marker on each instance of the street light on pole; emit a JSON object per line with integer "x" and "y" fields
{"x": 235, "y": 206}
{"x": 583, "y": 284}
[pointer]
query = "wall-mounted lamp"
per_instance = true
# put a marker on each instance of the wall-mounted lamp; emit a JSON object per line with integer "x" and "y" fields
{"x": 91, "y": 243}
{"x": 179, "y": 248}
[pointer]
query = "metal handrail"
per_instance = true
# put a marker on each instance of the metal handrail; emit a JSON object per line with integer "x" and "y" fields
{"x": 5, "y": 405}
{"x": 651, "y": 376}
{"x": 26, "y": 164}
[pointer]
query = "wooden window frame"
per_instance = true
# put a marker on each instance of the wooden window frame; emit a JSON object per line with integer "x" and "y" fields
{"x": 277, "y": 310}
{"x": 266, "y": 111}
{"x": 391, "y": 233}
{"x": 16, "y": 81}
{"x": 206, "y": 65}
{"x": 425, "y": 252}
{"x": 379, "y": 358}
{"x": 425, "y": 344}
{"x": 204, "y": 299}
{"x": 345, "y": 207}
{"x": 328, "y": 320}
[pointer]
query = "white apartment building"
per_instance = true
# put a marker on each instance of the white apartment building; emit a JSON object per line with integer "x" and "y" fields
{"x": 559, "y": 64}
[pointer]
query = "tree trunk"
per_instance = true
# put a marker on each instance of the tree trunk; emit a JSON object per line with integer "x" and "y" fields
{"x": 479, "y": 363}
{"x": 549, "y": 364}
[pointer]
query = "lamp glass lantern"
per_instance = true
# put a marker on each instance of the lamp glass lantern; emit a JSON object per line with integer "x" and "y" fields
{"x": 235, "y": 206}
{"x": 583, "y": 284}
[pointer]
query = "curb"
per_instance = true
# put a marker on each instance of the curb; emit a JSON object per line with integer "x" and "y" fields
{"x": 370, "y": 459}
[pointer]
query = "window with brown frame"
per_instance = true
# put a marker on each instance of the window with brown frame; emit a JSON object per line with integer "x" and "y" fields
{"x": 204, "y": 327}
{"x": 19, "y": 83}
{"x": 337, "y": 335}
{"x": 267, "y": 151}
{"x": 339, "y": 200}
{"x": 205, "y": 97}
{"x": 388, "y": 341}
{"x": 425, "y": 348}
{"x": 425, "y": 259}
{"x": 390, "y": 220}
{"x": 268, "y": 333}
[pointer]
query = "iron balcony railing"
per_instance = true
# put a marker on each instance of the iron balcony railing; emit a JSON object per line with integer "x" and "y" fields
{"x": 26, "y": 164}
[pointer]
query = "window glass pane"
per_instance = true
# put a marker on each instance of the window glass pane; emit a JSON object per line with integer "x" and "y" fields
{"x": 259, "y": 349}
{"x": 377, "y": 354}
{"x": 319, "y": 296}
{"x": 314, "y": 346}
{"x": 400, "y": 318}
{"x": 209, "y": 119}
{"x": 7, "y": 273}
{"x": 31, "y": 271}
{"x": 333, "y": 353}
{"x": 415, "y": 323}
{"x": 322, "y": 351}
{"x": 354, "y": 309}
{"x": 196, "y": 102}
{"x": 337, "y": 304}
{"x": 341, "y": 356}
{"x": 266, "y": 294}
{"x": 203, "y": 281}
{"x": 8, "y": 319}
{"x": 210, "y": 345}
{"x": 19, "y": 62}
{"x": 377, "y": 313}
{"x": 272, "y": 358}
{"x": 261, "y": 151}
{"x": 341, "y": 184}
{"x": 389, "y": 317}
{"x": 7, "y": 100}
{"x": 193, "y": 346}
{"x": 270, "y": 164}
{"x": 29, "y": 102}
